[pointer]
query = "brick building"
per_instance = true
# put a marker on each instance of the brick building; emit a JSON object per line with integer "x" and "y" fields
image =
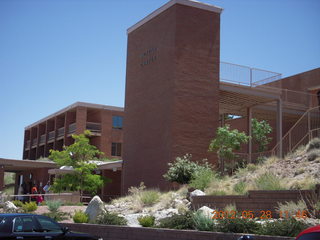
{"x": 177, "y": 94}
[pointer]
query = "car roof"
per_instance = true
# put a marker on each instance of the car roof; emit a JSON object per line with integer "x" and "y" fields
{"x": 16, "y": 214}
{"x": 309, "y": 230}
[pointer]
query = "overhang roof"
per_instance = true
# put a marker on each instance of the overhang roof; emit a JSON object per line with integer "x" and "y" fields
{"x": 14, "y": 165}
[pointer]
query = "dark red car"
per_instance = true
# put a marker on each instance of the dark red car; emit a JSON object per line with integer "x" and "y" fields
{"x": 312, "y": 233}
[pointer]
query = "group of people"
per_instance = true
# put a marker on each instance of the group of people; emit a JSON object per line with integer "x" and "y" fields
{"x": 35, "y": 196}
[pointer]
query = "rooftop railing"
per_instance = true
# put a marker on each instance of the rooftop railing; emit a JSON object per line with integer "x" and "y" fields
{"x": 247, "y": 76}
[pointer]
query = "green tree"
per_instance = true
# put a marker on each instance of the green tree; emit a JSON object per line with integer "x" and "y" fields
{"x": 260, "y": 131}
{"x": 79, "y": 155}
{"x": 226, "y": 142}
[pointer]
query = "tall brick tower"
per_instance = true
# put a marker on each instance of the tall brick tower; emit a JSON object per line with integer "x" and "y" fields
{"x": 172, "y": 84}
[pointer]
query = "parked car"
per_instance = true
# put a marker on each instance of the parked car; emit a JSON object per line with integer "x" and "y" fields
{"x": 312, "y": 233}
{"x": 31, "y": 226}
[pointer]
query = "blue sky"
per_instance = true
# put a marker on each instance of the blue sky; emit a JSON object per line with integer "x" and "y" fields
{"x": 56, "y": 52}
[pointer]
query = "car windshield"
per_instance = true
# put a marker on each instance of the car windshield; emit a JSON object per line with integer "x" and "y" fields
{"x": 47, "y": 225}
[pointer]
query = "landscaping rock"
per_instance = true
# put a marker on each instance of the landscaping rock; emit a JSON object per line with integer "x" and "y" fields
{"x": 132, "y": 219}
{"x": 165, "y": 213}
{"x": 206, "y": 211}
{"x": 196, "y": 193}
{"x": 9, "y": 207}
{"x": 95, "y": 208}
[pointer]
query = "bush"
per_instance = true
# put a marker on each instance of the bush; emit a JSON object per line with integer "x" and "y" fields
{"x": 236, "y": 225}
{"x": 268, "y": 181}
{"x": 80, "y": 217}
{"x": 217, "y": 193}
{"x": 240, "y": 188}
{"x": 111, "y": 219}
{"x": 177, "y": 221}
{"x": 202, "y": 222}
{"x": 146, "y": 221}
{"x": 202, "y": 178}
{"x": 313, "y": 144}
{"x": 17, "y": 203}
{"x": 183, "y": 169}
{"x": 54, "y": 205}
{"x": 149, "y": 197}
{"x": 29, "y": 207}
{"x": 291, "y": 208}
{"x": 289, "y": 227}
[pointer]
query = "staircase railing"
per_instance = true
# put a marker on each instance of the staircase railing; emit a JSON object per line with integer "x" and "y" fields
{"x": 306, "y": 128}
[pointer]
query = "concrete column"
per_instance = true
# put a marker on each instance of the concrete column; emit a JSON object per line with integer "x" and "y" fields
{"x": 1, "y": 178}
{"x": 249, "y": 124}
{"x": 279, "y": 127}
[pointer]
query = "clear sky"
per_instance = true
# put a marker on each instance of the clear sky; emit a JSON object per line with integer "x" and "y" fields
{"x": 56, "y": 52}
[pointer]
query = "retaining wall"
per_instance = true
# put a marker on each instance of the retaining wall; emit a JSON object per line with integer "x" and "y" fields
{"x": 108, "y": 232}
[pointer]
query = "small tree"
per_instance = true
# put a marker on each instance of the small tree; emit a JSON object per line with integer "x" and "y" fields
{"x": 79, "y": 155}
{"x": 226, "y": 142}
{"x": 260, "y": 131}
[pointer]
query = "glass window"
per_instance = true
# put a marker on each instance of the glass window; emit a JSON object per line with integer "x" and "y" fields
{"x": 24, "y": 224}
{"x": 47, "y": 225}
{"x": 116, "y": 149}
{"x": 117, "y": 122}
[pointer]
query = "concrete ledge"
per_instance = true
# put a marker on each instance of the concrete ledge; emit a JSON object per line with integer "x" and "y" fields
{"x": 108, "y": 232}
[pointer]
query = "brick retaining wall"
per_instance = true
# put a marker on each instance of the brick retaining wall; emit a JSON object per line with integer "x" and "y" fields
{"x": 108, "y": 232}
{"x": 256, "y": 201}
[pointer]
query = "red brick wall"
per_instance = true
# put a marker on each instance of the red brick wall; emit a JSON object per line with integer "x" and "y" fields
{"x": 170, "y": 103}
{"x": 108, "y": 232}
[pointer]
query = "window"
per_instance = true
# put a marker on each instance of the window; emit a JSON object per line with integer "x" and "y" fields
{"x": 48, "y": 225}
{"x": 117, "y": 122}
{"x": 24, "y": 224}
{"x": 116, "y": 149}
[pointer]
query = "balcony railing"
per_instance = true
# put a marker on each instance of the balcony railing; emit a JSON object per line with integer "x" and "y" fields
{"x": 61, "y": 132}
{"x": 93, "y": 127}
{"x": 42, "y": 139}
{"x": 34, "y": 142}
{"x": 27, "y": 145}
{"x": 51, "y": 135}
{"x": 72, "y": 128}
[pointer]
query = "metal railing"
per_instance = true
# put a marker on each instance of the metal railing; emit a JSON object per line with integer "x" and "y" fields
{"x": 27, "y": 144}
{"x": 72, "y": 128}
{"x": 61, "y": 132}
{"x": 51, "y": 135}
{"x": 247, "y": 76}
{"x": 93, "y": 127}
{"x": 34, "y": 142}
{"x": 306, "y": 128}
{"x": 42, "y": 139}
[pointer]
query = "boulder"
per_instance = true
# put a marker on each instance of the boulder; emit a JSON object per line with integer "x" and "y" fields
{"x": 206, "y": 211}
{"x": 196, "y": 192}
{"x": 95, "y": 208}
{"x": 165, "y": 213}
{"x": 9, "y": 207}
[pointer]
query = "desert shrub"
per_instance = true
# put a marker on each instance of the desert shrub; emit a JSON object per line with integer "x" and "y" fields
{"x": 268, "y": 181}
{"x": 240, "y": 188}
{"x": 261, "y": 159}
{"x": 217, "y": 193}
{"x": 202, "y": 222}
{"x": 289, "y": 227}
{"x": 291, "y": 208}
{"x": 230, "y": 207}
{"x": 202, "y": 178}
{"x": 111, "y": 219}
{"x": 17, "y": 203}
{"x": 313, "y": 155}
{"x": 313, "y": 144}
{"x": 29, "y": 207}
{"x": 177, "y": 221}
{"x": 54, "y": 205}
{"x": 80, "y": 217}
{"x": 236, "y": 225}
{"x": 146, "y": 221}
{"x": 183, "y": 169}
{"x": 149, "y": 197}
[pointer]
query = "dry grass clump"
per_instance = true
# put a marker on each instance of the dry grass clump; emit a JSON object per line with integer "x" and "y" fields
{"x": 290, "y": 209}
